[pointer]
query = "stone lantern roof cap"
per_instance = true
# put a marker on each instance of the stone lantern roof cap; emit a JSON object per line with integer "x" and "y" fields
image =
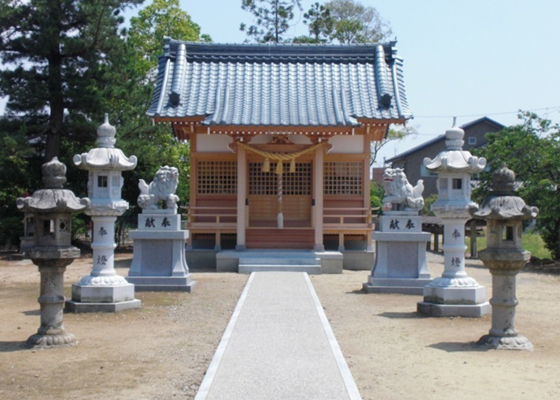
{"x": 503, "y": 203}
{"x": 106, "y": 134}
{"x": 53, "y": 198}
{"x": 454, "y": 158}
{"x": 106, "y": 156}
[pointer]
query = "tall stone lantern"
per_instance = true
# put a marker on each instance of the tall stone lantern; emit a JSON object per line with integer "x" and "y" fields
{"x": 454, "y": 293}
{"x": 52, "y": 252}
{"x": 103, "y": 289}
{"x": 504, "y": 256}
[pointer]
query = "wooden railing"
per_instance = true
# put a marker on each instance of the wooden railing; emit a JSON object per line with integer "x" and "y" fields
{"x": 347, "y": 218}
{"x": 211, "y": 218}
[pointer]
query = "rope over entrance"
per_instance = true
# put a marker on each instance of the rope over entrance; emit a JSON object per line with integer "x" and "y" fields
{"x": 281, "y": 157}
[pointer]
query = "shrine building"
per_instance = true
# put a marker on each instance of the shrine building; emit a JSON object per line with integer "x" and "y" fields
{"x": 280, "y": 141}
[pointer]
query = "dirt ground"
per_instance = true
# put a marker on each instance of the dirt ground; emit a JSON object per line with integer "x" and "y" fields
{"x": 162, "y": 350}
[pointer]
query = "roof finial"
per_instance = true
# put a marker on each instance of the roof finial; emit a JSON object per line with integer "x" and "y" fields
{"x": 454, "y": 122}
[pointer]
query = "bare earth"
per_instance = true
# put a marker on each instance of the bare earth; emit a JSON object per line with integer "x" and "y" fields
{"x": 162, "y": 350}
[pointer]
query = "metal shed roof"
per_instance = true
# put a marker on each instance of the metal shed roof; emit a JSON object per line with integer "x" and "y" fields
{"x": 281, "y": 85}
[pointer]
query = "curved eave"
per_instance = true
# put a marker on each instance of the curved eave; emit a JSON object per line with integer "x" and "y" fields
{"x": 52, "y": 201}
{"x": 455, "y": 161}
{"x": 505, "y": 208}
{"x": 105, "y": 158}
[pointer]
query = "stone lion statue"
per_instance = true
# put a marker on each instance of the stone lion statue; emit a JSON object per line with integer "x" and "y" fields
{"x": 399, "y": 191}
{"x": 162, "y": 189}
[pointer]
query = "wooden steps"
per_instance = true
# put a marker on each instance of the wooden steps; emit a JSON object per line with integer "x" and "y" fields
{"x": 273, "y": 238}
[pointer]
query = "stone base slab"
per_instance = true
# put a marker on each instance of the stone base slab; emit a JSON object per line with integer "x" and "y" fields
{"x": 229, "y": 260}
{"x": 454, "y": 310}
{"x": 102, "y": 293}
{"x": 396, "y": 285}
{"x": 505, "y": 342}
{"x": 76, "y": 307}
{"x": 451, "y": 295}
{"x": 162, "y": 283}
{"x": 39, "y": 341}
{"x": 357, "y": 260}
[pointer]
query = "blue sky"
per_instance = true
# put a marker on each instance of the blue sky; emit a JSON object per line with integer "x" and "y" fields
{"x": 468, "y": 58}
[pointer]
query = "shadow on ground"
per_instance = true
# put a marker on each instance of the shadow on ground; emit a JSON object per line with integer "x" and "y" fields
{"x": 10, "y": 347}
{"x": 402, "y": 315}
{"x": 453, "y": 347}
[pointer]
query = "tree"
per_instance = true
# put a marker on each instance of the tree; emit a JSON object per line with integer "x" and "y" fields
{"x": 356, "y": 23}
{"x": 19, "y": 175}
{"x": 272, "y": 19}
{"x": 532, "y": 150}
{"x": 54, "y": 53}
{"x": 319, "y": 22}
{"x": 161, "y": 18}
{"x": 393, "y": 134}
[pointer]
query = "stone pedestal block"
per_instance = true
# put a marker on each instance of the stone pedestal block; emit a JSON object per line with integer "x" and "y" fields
{"x": 159, "y": 262}
{"x": 400, "y": 256}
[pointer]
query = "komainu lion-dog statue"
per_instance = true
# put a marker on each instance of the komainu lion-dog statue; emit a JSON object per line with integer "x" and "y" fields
{"x": 161, "y": 189}
{"x": 399, "y": 191}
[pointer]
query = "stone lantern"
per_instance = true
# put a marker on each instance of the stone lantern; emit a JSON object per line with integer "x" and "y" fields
{"x": 103, "y": 289}
{"x": 454, "y": 293}
{"x": 52, "y": 252}
{"x": 504, "y": 256}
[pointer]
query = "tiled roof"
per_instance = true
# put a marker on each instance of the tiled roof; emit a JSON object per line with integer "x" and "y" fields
{"x": 284, "y": 85}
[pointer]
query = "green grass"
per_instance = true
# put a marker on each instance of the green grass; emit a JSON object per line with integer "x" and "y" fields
{"x": 532, "y": 242}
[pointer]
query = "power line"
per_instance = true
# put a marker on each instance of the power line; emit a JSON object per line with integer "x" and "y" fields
{"x": 548, "y": 109}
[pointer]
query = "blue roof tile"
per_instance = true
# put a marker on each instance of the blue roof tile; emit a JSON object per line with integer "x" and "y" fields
{"x": 284, "y": 85}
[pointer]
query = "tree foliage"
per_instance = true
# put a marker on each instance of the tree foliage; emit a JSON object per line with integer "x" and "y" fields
{"x": 376, "y": 194}
{"x": 100, "y": 70}
{"x": 160, "y": 19}
{"x": 271, "y": 19}
{"x": 320, "y": 23}
{"x": 16, "y": 179}
{"x": 532, "y": 150}
{"x": 356, "y": 23}
{"x": 54, "y": 54}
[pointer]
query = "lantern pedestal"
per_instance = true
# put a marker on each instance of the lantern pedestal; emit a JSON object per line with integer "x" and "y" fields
{"x": 52, "y": 332}
{"x": 504, "y": 265}
{"x": 454, "y": 293}
{"x": 103, "y": 290}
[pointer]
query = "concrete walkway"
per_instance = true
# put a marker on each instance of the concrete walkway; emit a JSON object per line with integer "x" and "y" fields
{"x": 278, "y": 345}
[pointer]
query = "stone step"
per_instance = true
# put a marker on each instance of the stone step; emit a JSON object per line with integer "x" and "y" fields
{"x": 289, "y": 262}
{"x": 311, "y": 260}
{"x": 250, "y": 268}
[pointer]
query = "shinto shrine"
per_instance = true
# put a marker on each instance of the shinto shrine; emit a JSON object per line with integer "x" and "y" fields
{"x": 280, "y": 140}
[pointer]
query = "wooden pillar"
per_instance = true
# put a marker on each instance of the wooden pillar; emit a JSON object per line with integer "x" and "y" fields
{"x": 241, "y": 195}
{"x": 340, "y": 241}
{"x": 318, "y": 197}
{"x": 367, "y": 188}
